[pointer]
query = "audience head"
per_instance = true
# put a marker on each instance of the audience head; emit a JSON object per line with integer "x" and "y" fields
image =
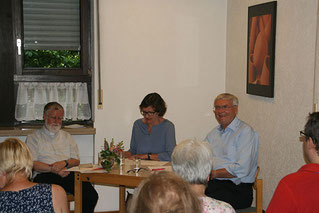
{"x": 312, "y": 129}
{"x": 15, "y": 158}
{"x": 155, "y": 101}
{"x": 53, "y": 115}
{"x": 165, "y": 192}
{"x": 225, "y": 108}
{"x": 193, "y": 161}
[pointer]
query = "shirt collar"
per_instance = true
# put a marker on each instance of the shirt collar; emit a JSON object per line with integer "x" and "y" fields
{"x": 310, "y": 167}
{"x": 232, "y": 126}
{"x": 47, "y": 132}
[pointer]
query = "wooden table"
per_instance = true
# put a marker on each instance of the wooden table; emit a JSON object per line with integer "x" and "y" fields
{"x": 117, "y": 177}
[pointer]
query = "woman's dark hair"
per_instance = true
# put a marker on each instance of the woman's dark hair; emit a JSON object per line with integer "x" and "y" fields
{"x": 312, "y": 128}
{"x": 156, "y": 101}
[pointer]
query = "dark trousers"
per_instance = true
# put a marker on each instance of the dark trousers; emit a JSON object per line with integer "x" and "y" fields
{"x": 239, "y": 196}
{"x": 89, "y": 195}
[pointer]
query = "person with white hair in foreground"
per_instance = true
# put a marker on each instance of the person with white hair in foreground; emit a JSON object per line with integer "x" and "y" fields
{"x": 193, "y": 161}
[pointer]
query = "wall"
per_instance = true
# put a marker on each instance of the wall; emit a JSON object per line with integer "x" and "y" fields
{"x": 174, "y": 47}
{"x": 278, "y": 120}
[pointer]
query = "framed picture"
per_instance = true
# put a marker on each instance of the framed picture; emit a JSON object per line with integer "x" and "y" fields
{"x": 261, "y": 49}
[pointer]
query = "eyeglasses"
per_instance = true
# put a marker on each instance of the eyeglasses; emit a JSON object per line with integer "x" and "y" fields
{"x": 303, "y": 137}
{"x": 302, "y": 134}
{"x": 56, "y": 118}
{"x": 144, "y": 113}
{"x": 224, "y": 107}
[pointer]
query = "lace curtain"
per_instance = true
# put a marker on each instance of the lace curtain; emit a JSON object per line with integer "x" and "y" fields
{"x": 33, "y": 96}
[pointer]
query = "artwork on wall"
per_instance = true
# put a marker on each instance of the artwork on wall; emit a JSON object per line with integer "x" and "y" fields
{"x": 261, "y": 49}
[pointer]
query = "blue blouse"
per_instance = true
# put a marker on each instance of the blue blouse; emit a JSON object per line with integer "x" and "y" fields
{"x": 37, "y": 198}
{"x": 160, "y": 141}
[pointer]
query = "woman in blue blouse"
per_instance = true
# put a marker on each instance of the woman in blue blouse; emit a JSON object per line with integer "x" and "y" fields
{"x": 153, "y": 137}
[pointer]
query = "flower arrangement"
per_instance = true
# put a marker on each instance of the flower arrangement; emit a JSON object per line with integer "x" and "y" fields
{"x": 110, "y": 154}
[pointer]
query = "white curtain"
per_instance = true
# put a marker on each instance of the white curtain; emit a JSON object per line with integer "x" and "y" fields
{"x": 33, "y": 96}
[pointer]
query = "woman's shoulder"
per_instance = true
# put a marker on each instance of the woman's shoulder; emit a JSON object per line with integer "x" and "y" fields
{"x": 58, "y": 190}
{"x": 59, "y": 199}
{"x": 167, "y": 122}
{"x": 138, "y": 121}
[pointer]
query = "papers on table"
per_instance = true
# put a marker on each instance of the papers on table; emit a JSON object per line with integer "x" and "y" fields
{"x": 146, "y": 162}
{"x": 151, "y": 164}
{"x": 85, "y": 168}
{"x": 128, "y": 165}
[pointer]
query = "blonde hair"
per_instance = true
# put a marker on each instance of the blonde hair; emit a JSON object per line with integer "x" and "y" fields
{"x": 165, "y": 192}
{"x": 15, "y": 158}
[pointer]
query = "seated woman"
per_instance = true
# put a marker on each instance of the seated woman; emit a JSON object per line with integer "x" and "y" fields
{"x": 193, "y": 161}
{"x": 165, "y": 192}
{"x": 17, "y": 193}
{"x": 153, "y": 137}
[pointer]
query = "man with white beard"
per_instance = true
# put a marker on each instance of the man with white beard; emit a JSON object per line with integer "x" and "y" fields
{"x": 53, "y": 151}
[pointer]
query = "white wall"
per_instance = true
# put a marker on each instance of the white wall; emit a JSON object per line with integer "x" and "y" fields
{"x": 278, "y": 120}
{"x": 174, "y": 47}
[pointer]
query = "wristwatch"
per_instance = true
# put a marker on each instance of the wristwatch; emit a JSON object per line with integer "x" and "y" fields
{"x": 149, "y": 156}
{"x": 66, "y": 164}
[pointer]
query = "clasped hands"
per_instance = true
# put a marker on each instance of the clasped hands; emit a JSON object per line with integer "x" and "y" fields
{"x": 59, "y": 168}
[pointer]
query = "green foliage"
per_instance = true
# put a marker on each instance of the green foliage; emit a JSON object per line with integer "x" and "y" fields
{"x": 52, "y": 59}
{"x": 110, "y": 154}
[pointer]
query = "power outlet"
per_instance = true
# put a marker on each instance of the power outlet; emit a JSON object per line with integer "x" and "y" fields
{"x": 100, "y": 99}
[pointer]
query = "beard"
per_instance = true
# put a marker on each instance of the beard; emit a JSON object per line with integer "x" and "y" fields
{"x": 53, "y": 127}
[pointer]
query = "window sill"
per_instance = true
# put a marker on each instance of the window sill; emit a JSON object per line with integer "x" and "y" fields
{"x": 24, "y": 131}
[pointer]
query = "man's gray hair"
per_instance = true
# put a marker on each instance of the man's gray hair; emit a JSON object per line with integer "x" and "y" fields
{"x": 193, "y": 161}
{"x": 52, "y": 105}
{"x": 227, "y": 96}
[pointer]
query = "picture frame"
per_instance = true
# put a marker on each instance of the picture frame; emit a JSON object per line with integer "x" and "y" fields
{"x": 261, "y": 49}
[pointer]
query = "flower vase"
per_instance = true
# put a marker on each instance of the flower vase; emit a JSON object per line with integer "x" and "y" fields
{"x": 107, "y": 164}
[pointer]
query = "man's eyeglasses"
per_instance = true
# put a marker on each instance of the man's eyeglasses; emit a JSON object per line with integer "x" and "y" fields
{"x": 224, "y": 107}
{"x": 303, "y": 136}
{"x": 144, "y": 113}
{"x": 56, "y": 118}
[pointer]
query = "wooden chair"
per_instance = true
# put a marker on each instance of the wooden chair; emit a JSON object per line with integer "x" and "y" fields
{"x": 70, "y": 198}
{"x": 258, "y": 186}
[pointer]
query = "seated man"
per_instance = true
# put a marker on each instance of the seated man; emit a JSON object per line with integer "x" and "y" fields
{"x": 299, "y": 191}
{"x": 235, "y": 149}
{"x": 53, "y": 150}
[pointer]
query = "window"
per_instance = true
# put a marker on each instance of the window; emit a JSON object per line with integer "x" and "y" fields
{"x": 53, "y": 37}
{"x": 51, "y": 34}
{"x": 51, "y": 43}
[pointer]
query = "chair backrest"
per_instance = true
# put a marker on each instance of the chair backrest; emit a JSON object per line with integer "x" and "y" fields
{"x": 259, "y": 195}
{"x": 70, "y": 198}
{"x": 256, "y": 176}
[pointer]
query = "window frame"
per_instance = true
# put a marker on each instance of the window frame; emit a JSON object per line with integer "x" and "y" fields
{"x": 82, "y": 74}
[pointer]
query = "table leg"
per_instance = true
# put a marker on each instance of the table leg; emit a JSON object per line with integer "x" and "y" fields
{"x": 122, "y": 199}
{"x": 77, "y": 193}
